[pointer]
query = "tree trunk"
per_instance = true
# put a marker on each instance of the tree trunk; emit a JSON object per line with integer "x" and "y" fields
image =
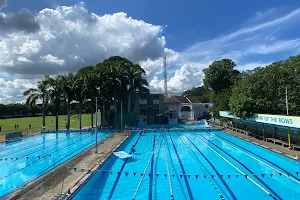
{"x": 129, "y": 102}
{"x": 68, "y": 115}
{"x": 116, "y": 110}
{"x": 92, "y": 115}
{"x": 80, "y": 117}
{"x": 103, "y": 112}
{"x": 44, "y": 116}
{"x": 56, "y": 118}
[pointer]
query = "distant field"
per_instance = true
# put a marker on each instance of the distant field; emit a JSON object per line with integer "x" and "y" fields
{"x": 8, "y": 125}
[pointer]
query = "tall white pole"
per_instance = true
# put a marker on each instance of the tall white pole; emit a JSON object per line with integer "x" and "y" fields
{"x": 96, "y": 151}
{"x": 287, "y": 113}
{"x": 286, "y": 101}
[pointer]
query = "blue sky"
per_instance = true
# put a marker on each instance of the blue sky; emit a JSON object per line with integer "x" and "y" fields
{"x": 191, "y": 33}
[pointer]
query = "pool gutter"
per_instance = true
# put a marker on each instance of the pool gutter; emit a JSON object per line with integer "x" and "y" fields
{"x": 261, "y": 145}
{"x": 16, "y": 194}
{"x": 76, "y": 188}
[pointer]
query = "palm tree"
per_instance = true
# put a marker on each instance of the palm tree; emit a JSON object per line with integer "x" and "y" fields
{"x": 35, "y": 94}
{"x": 80, "y": 93}
{"x": 54, "y": 94}
{"x": 90, "y": 82}
{"x": 136, "y": 80}
{"x": 67, "y": 88}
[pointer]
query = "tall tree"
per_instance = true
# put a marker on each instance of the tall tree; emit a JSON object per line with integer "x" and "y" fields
{"x": 202, "y": 93}
{"x": 221, "y": 75}
{"x": 219, "y": 78}
{"x": 263, "y": 89}
{"x": 54, "y": 94}
{"x": 89, "y": 78}
{"x": 35, "y": 94}
{"x": 68, "y": 93}
{"x": 80, "y": 93}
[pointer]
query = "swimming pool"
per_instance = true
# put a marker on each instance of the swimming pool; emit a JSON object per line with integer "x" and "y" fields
{"x": 205, "y": 164}
{"x": 24, "y": 160}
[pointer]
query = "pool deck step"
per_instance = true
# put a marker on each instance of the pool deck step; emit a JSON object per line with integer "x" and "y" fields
{"x": 56, "y": 183}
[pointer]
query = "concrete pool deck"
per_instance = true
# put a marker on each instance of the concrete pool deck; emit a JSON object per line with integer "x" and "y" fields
{"x": 55, "y": 184}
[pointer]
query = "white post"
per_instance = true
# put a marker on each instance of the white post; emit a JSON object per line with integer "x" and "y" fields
{"x": 287, "y": 113}
{"x": 286, "y": 101}
{"x": 96, "y": 151}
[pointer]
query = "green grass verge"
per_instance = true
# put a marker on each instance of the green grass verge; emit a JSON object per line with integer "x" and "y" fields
{"x": 8, "y": 125}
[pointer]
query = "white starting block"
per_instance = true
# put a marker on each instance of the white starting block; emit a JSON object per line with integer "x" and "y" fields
{"x": 122, "y": 154}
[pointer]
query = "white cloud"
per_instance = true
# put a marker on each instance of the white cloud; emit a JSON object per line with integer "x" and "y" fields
{"x": 70, "y": 37}
{"x": 11, "y": 91}
{"x": 155, "y": 67}
{"x": 278, "y": 46}
{"x": 251, "y": 66}
{"x": 185, "y": 77}
{"x": 52, "y": 59}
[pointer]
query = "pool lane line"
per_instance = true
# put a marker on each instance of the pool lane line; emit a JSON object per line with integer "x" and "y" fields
{"x": 48, "y": 168}
{"x": 288, "y": 175}
{"x": 239, "y": 170}
{"x": 27, "y": 155}
{"x": 144, "y": 172}
{"x": 120, "y": 172}
{"x": 175, "y": 170}
{"x": 206, "y": 174}
{"x": 28, "y": 142}
{"x": 32, "y": 146}
{"x": 151, "y": 170}
{"x": 61, "y": 142}
{"x": 35, "y": 161}
{"x": 183, "y": 171}
{"x": 168, "y": 170}
{"x": 216, "y": 171}
{"x": 158, "y": 156}
{"x": 274, "y": 195}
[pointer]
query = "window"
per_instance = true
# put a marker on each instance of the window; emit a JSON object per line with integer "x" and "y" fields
{"x": 155, "y": 106}
{"x": 149, "y": 111}
{"x": 155, "y": 97}
{"x": 143, "y": 112}
{"x": 142, "y": 106}
{"x": 143, "y": 101}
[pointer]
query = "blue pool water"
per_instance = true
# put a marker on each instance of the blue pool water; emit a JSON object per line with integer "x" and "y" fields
{"x": 206, "y": 164}
{"x": 24, "y": 160}
{"x": 186, "y": 126}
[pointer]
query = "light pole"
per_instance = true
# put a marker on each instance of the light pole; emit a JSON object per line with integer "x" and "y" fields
{"x": 286, "y": 101}
{"x": 287, "y": 113}
{"x": 96, "y": 151}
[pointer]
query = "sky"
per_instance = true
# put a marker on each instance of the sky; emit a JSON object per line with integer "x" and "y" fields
{"x": 52, "y": 37}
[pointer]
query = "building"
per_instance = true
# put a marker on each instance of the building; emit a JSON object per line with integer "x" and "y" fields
{"x": 151, "y": 109}
{"x": 186, "y": 108}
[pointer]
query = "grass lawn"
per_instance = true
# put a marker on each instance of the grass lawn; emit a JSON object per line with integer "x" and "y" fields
{"x": 8, "y": 125}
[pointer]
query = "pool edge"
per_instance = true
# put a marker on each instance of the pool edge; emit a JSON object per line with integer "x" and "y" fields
{"x": 76, "y": 188}
{"x": 23, "y": 189}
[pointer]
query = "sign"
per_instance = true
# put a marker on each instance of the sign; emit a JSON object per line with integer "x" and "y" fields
{"x": 281, "y": 120}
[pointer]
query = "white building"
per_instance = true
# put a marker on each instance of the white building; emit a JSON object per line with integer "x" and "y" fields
{"x": 186, "y": 108}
